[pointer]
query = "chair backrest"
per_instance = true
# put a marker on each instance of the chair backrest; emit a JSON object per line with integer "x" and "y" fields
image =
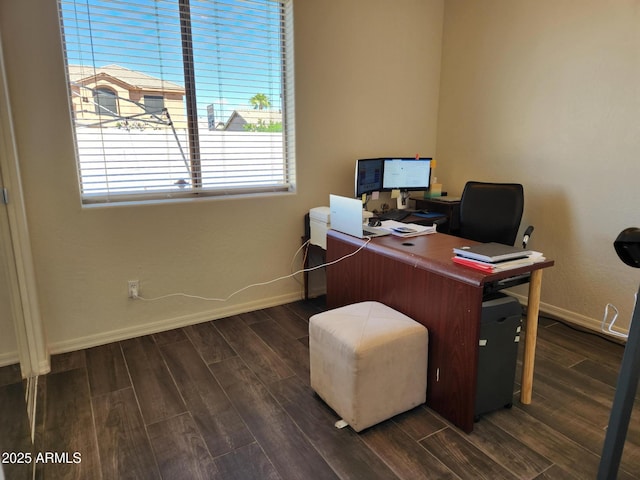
{"x": 491, "y": 212}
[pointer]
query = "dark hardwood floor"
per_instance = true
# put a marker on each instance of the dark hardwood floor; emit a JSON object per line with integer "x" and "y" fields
{"x": 230, "y": 399}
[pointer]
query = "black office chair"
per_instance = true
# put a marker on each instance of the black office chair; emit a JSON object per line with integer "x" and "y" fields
{"x": 491, "y": 212}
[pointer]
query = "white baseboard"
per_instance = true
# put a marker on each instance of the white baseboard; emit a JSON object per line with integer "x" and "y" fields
{"x": 168, "y": 324}
{"x": 182, "y": 321}
{"x": 581, "y": 321}
{"x": 9, "y": 358}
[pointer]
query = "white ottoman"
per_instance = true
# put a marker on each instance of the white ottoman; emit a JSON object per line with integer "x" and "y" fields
{"x": 368, "y": 362}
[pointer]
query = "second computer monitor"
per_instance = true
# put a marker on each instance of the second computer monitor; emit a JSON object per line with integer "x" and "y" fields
{"x": 368, "y": 176}
{"x": 406, "y": 174}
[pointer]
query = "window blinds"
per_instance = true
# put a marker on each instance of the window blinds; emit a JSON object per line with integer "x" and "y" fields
{"x": 180, "y": 98}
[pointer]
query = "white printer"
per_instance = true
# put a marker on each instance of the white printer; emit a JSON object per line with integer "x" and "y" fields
{"x": 320, "y": 222}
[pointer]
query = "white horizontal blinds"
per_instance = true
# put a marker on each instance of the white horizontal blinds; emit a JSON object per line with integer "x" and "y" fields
{"x": 216, "y": 70}
{"x": 238, "y": 71}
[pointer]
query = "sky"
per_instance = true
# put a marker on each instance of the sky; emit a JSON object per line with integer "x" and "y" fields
{"x": 236, "y": 45}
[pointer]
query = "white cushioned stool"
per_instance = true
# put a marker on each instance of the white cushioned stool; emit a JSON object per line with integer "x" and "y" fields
{"x": 368, "y": 362}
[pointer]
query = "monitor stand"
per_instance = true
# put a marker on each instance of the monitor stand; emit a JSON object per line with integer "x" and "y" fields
{"x": 403, "y": 200}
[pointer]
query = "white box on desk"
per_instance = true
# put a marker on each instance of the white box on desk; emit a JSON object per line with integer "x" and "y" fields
{"x": 320, "y": 222}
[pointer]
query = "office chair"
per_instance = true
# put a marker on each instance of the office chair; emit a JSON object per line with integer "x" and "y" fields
{"x": 491, "y": 212}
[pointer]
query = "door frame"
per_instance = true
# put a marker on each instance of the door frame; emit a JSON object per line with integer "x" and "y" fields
{"x": 32, "y": 350}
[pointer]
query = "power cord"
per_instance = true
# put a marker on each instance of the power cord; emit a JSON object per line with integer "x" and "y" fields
{"x": 274, "y": 280}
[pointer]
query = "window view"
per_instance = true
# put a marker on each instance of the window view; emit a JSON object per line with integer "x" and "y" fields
{"x": 180, "y": 98}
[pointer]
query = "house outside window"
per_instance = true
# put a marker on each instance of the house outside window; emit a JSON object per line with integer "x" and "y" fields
{"x": 172, "y": 76}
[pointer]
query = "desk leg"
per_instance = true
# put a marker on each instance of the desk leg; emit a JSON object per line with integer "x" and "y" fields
{"x": 531, "y": 333}
{"x": 305, "y": 268}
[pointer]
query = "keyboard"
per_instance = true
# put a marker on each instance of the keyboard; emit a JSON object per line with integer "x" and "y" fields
{"x": 397, "y": 215}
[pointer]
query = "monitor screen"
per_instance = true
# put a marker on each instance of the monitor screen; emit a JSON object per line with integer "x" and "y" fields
{"x": 406, "y": 174}
{"x": 368, "y": 176}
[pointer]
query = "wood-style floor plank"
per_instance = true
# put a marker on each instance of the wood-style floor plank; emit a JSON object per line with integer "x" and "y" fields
{"x": 123, "y": 444}
{"x": 256, "y": 316}
{"x": 419, "y": 422}
{"x": 408, "y": 459}
{"x": 293, "y": 352}
{"x": 107, "y": 369}
{"x": 343, "y": 449}
{"x": 263, "y": 361}
{"x": 603, "y": 373}
{"x": 156, "y": 391}
{"x": 180, "y": 450}
{"x": 289, "y": 321}
{"x": 220, "y": 425}
{"x": 209, "y": 343}
{"x": 556, "y": 354}
{"x": 464, "y": 458}
{"x": 547, "y": 441}
{"x": 15, "y": 433}
{"x": 576, "y": 382}
{"x": 246, "y": 463}
{"x": 69, "y": 427}
{"x": 170, "y": 336}
{"x": 10, "y": 374}
{"x": 586, "y": 344}
{"x": 506, "y": 449}
{"x": 306, "y": 310}
{"x": 554, "y": 472}
{"x": 283, "y": 442}
{"x": 68, "y": 361}
{"x": 592, "y": 407}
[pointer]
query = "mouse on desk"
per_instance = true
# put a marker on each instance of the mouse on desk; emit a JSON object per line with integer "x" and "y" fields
{"x": 374, "y": 222}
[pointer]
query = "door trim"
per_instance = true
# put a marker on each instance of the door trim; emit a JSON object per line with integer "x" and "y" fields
{"x": 32, "y": 350}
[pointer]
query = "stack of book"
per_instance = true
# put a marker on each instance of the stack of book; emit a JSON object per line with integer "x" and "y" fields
{"x": 495, "y": 257}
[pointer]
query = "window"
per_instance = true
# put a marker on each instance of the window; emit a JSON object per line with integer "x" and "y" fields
{"x": 190, "y": 97}
{"x": 105, "y": 101}
{"x": 153, "y": 103}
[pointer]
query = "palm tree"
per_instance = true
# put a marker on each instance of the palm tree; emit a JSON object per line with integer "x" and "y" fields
{"x": 260, "y": 101}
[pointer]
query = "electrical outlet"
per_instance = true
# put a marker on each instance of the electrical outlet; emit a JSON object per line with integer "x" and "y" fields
{"x": 134, "y": 285}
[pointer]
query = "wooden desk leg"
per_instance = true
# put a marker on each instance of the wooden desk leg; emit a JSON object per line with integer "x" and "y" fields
{"x": 531, "y": 332}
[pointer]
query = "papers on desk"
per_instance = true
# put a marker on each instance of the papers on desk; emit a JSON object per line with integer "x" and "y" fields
{"x": 500, "y": 266}
{"x": 406, "y": 229}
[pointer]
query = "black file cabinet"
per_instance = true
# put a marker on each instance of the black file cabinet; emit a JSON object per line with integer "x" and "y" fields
{"x": 498, "y": 353}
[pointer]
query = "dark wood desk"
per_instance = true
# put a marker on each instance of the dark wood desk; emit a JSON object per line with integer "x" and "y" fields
{"x": 312, "y": 249}
{"x": 417, "y": 277}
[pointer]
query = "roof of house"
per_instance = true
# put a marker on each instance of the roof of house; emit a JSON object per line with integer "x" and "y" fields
{"x": 134, "y": 79}
{"x": 255, "y": 116}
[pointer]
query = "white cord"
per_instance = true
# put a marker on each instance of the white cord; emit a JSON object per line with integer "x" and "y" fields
{"x": 310, "y": 269}
{"x": 306, "y": 252}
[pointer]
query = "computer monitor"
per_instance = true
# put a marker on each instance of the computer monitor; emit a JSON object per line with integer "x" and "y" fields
{"x": 406, "y": 174}
{"x": 368, "y": 176}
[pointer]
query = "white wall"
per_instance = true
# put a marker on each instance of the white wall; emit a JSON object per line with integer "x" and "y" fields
{"x": 367, "y": 75}
{"x": 368, "y": 78}
{"x": 547, "y": 93}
